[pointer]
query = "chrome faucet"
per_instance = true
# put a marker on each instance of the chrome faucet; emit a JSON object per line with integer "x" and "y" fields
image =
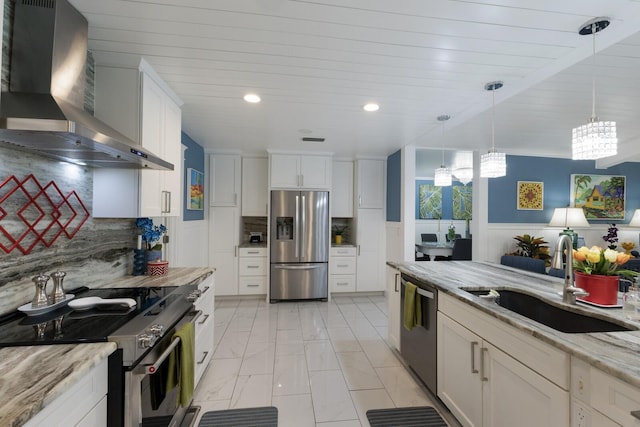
{"x": 569, "y": 292}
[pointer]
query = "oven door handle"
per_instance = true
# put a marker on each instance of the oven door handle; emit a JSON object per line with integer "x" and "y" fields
{"x": 153, "y": 367}
{"x": 424, "y": 293}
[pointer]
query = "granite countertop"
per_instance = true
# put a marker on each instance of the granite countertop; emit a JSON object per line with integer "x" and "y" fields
{"x": 32, "y": 377}
{"x": 175, "y": 276}
{"x": 617, "y": 353}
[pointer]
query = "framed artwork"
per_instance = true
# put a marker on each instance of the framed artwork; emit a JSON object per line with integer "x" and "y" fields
{"x": 195, "y": 186}
{"x": 599, "y": 196}
{"x": 430, "y": 200}
{"x": 462, "y": 202}
{"x": 530, "y": 196}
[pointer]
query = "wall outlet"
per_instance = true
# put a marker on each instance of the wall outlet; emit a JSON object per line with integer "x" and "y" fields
{"x": 580, "y": 414}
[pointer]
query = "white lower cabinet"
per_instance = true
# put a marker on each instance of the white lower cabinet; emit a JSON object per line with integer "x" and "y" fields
{"x": 204, "y": 328}
{"x": 253, "y": 271}
{"x": 370, "y": 250}
{"x": 484, "y": 385}
{"x": 224, "y": 239}
{"x": 393, "y": 307}
{"x": 614, "y": 400}
{"x": 84, "y": 404}
{"x": 342, "y": 269}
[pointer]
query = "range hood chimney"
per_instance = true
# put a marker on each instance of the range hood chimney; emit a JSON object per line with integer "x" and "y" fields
{"x": 43, "y": 109}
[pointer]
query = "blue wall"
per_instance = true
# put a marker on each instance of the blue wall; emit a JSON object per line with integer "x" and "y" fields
{"x": 556, "y": 176}
{"x": 193, "y": 158}
{"x": 394, "y": 187}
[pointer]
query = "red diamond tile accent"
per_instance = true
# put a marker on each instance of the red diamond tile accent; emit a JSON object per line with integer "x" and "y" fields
{"x": 41, "y": 216}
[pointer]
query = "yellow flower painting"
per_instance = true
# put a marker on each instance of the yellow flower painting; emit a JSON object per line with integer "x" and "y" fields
{"x": 530, "y": 195}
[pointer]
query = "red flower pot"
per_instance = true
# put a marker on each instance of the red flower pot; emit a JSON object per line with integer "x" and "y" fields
{"x": 602, "y": 290}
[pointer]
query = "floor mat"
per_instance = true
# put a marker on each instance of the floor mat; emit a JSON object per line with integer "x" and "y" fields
{"x": 266, "y": 416}
{"x": 418, "y": 416}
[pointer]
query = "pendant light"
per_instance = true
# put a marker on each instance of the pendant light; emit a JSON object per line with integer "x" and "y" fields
{"x": 442, "y": 176}
{"x": 596, "y": 139}
{"x": 493, "y": 164}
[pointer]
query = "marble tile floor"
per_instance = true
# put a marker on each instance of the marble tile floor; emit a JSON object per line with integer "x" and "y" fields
{"x": 320, "y": 363}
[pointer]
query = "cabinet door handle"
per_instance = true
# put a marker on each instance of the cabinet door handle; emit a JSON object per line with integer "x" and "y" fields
{"x": 253, "y": 252}
{"x": 253, "y": 285}
{"x": 635, "y": 414}
{"x": 301, "y": 180}
{"x": 169, "y": 199}
{"x": 395, "y": 285}
{"x": 473, "y": 357}
{"x": 253, "y": 266}
{"x": 358, "y": 250}
{"x": 342, "y": 265}
{"x": 235, "y": 199}
{"x": 359, "y": 200}
{"x": 235, "y": 251}
{"x": 206, "y": 316}
{"x": 484, "y": 351}
{"x": 206, "y": 288}
{"x": 342, "y": 283}
{"x": 206, "y": 353}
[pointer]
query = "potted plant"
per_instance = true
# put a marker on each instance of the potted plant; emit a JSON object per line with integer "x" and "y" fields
{"x": 597, "y": 272}
{"x": 532, "y": 247}
{"x": 339, "y": 231}
{"x": 151, "y": 235}
{"x": 451, "y": 233}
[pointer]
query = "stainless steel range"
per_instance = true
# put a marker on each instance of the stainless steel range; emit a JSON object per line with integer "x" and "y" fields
{"x": 137, "y": 386}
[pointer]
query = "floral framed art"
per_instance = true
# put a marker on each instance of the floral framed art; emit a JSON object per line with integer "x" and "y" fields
{"x": 530, "y": 196}
{"x": 600, "y": 196}
{"x": 195, "y": 186}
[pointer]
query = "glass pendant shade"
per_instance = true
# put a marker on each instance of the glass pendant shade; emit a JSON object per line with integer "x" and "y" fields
{"x": 464, "y": 175}
{"x": 442, "y": 177}
{"x": 594, "y": 140}
{"x": 493, "y": 164}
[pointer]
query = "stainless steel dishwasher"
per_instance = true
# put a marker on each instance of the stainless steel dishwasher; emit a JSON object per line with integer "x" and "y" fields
{"x": 419, "y": 345}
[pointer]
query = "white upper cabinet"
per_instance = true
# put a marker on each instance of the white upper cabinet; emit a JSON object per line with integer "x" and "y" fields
{"x": 137, "y": 103}
{"x": 300, "y": 171}
{"x": 342, "y": 189}
{"x": 370, "y": 184}
{"x": 224, "y": 179}
{"x": 254, "y": 186}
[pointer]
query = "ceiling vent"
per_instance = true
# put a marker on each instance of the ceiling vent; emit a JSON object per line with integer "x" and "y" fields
{"x": 310, "y": 139}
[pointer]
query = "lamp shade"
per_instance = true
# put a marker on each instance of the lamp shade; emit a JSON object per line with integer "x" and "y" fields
{"x": 568, "y": 217}
{"x": 635, "y": 219}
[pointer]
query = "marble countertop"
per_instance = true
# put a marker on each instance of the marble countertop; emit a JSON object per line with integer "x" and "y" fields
{"x": 253, "y": 245}
{"x": 32, "y": 377}
{"x": 617, "y": 353}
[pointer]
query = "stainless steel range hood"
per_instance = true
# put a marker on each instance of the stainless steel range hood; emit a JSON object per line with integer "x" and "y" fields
{"x": 43, "y": 109}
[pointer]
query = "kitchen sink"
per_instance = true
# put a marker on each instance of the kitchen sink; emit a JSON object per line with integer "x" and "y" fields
{"x": 556, "y": 317}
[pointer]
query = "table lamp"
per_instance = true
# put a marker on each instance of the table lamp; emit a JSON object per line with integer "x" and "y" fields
{"x": 567, "y": 218}
{"x": 635, "y": 219}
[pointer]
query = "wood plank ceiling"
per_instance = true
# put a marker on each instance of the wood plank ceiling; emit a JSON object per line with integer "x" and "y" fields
{"x": 316, "y": 63}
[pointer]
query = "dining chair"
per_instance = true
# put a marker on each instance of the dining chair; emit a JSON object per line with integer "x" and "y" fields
{"x": 455, "y": 237}
{"x": 461, "y": 250}
{"x": 429, "y": 237}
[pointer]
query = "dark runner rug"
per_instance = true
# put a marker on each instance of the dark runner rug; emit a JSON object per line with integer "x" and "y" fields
{"x": 418, "y": 416}
{"x": 266, "y": 416}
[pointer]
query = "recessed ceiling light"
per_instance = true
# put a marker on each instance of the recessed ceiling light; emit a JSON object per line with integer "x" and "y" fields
{"x": 371, "y": 107}
{"x": 252, "y": 98}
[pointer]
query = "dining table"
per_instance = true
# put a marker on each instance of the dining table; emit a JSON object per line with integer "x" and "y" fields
{"x": 434, "y": 249}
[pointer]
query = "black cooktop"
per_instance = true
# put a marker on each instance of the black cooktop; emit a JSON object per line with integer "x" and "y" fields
{"x": 66, "y": 326}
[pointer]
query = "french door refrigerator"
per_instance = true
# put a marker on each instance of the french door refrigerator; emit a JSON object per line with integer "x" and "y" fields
{"x": 299, "y": 245}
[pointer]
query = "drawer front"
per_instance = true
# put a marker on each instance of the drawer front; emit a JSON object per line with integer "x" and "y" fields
{"x": 252, "y": 285}
{"x": 253, "y": 266}
{"x": 252, "y": 252}
{"x": 614, "y": 398}
{"x": 342, "y": 265}
{"x": 346, "y": 251}
{"x": 342, "y": 283}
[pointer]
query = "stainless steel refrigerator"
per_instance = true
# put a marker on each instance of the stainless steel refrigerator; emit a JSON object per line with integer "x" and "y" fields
{"x": 299, "y": 240}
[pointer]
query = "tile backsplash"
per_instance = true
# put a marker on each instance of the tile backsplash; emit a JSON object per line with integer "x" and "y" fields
{"x": 100, "y": 252}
